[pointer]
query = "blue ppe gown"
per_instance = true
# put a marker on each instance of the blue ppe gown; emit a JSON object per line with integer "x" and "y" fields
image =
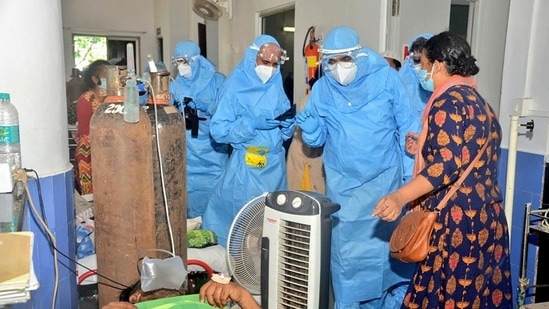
{"x": 206, "y": 159}
{"x": 418, "y": 99}
{"x": 362, "y": 127}
{"x": 243, "y": 98}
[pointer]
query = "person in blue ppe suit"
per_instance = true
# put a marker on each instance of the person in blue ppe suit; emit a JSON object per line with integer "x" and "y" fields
{"x": 360, "y": 111}
{"x": 251, "y": 98}
{"x": 411, "y": 77}
{"x": 194, "y": 91}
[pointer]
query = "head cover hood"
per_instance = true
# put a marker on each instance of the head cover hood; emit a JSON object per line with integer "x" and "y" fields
{"x": 248, "y": 63}
{"x": 340, "y": 40}
{"x": 425, "y": 35}
{"x": 244, "y": 82}
{"x": 345, "y": 41}
{"x": 407, "y": 68}
{"x": 408, "y": 61}
{"x": 186, "y": 49}
{"x": 202, "y": 70}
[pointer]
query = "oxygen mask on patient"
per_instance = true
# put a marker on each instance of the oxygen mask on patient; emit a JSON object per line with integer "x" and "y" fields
{"x": 168, "y": 273}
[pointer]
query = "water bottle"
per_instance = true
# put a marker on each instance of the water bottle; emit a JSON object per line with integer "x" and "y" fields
{"x": 11, "y": 204}
{"x": 10, "y": 150}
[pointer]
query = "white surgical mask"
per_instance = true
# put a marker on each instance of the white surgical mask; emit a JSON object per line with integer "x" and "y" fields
{"x": 102, "y": 83}
{"x": 344, "y": 74}
{"x": 184, "y": 70}
{"x": 264, "y": 72}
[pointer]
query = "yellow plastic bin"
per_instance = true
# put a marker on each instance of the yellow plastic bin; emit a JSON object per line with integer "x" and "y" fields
{"x": 184, "y": 302}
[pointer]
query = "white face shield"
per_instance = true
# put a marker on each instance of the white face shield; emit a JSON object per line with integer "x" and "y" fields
{"x": 344, "y": 57}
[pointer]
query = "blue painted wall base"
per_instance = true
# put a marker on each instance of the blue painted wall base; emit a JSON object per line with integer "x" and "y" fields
{"x": 58, "y": 201}
{"x": 528, "y": 188}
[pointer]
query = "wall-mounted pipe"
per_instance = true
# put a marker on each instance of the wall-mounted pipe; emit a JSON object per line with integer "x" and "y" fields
{"x": 511, "y": 165}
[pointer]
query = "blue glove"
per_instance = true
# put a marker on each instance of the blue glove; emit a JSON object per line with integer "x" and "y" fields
{"x": 287, "y": 123}
{"x": 262, "y": 122}
{"x": 307, "y": 122}
{"x": 199, "y": 105}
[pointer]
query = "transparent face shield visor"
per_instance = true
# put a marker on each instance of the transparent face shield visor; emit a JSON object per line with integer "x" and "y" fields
{"x": 271, "y": 53}
{"x": 344, "y": 59}
{"x": 184, "y": 60}
{"x": 415, "y": 60}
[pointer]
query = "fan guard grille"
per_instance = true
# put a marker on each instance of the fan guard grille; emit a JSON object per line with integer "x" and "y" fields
{"x": 244, "y": 244}
{"x": 207, "y": 9}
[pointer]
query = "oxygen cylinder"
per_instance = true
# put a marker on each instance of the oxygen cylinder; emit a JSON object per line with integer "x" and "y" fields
{"x": 169, "y": 171}
{"x": 131, "y": 182}
{"x": 123, "y": 195}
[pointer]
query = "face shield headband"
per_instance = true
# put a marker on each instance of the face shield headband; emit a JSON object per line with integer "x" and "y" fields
{"x": 269, "y": 52}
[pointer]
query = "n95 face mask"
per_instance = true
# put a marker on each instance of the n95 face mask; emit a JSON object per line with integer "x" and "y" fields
{"x": 264, "y": 72}
{"x": 185, "y": 70}
{"x": 344, "y": 72}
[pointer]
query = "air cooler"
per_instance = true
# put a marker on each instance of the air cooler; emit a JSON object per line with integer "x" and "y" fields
{"x": 295, "y": 250}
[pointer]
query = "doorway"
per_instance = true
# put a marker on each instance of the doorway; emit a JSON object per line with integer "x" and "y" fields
{"x": 462, "y": 13}
{"x": 280, "y": 25}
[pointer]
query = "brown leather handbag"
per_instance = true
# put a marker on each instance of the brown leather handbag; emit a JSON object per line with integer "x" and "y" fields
{"x": 411, "y": 238}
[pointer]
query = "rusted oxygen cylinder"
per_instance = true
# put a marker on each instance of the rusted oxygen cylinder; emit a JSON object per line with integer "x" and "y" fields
{"x": 169, "y": 171}
{"x": 130, "y": 215}
{"x": 123, "y": 195}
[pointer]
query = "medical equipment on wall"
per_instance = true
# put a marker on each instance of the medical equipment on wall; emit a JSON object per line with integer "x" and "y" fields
{"x": 279, "y": 247}
{"x": 312, "y": 56}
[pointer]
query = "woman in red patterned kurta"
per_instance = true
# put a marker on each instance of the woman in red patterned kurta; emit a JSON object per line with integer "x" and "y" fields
{"x": 94, "y": 76}
{"x": 468, "y": 264}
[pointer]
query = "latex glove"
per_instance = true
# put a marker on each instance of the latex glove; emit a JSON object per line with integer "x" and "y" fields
{"x": 307, "y": 122}
{"x": 287, "y": 123}
{"x": 199, "y": 105}
{"x": 263, "y": 122}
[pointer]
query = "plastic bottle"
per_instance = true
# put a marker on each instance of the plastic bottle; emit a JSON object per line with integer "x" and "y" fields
{"x": 10, "y": 149}
{"x": 11, "y": 204}
{"x": 131, "y": 93}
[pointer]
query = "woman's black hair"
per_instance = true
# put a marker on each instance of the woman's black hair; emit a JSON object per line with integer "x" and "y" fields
{"x": 93, "y": 70}
{"x": 454, "y": 51}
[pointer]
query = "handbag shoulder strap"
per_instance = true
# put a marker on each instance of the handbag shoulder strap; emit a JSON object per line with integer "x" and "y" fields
{"x": 456, "y": 185}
